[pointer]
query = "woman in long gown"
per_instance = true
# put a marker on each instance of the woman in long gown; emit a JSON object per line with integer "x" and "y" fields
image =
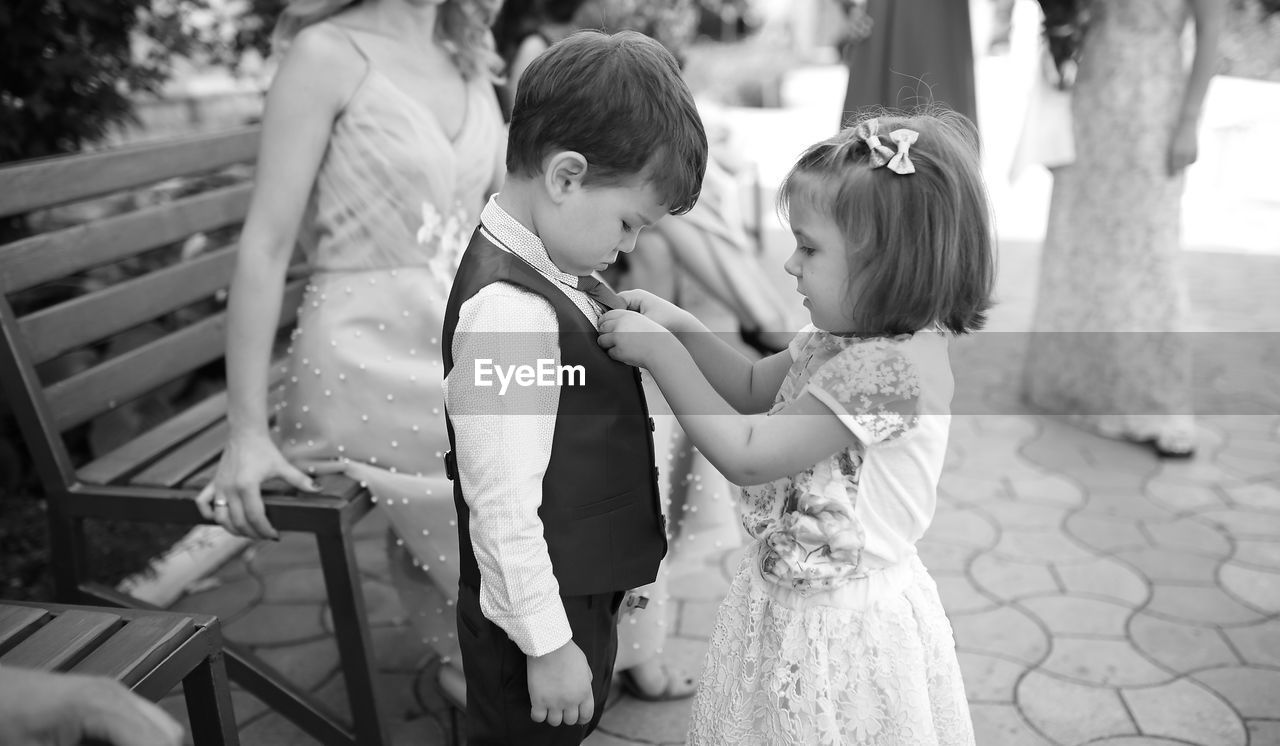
{"x": 381, "y": 141}
{"x": 1110, "y": 347}
{"x": 914, "y": 53}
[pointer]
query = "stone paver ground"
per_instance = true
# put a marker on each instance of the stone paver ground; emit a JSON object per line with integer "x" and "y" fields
{"x": 1098, "y": 595}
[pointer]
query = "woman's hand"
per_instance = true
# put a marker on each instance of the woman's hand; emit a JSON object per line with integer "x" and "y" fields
{"x": 233, "y": 499}
{"x": 666, "y": 314}
{"x": 858, "y": 23}
{"x": 634, "y": 339}
{"x": 1183, "y": 148}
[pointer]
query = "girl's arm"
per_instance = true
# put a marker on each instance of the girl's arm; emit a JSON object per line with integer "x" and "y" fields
{"x": 1208, "y": 16}
{"x": 314, "y": 81}
{"x": 746, "y": 449}
{"x": 747, "y": 386}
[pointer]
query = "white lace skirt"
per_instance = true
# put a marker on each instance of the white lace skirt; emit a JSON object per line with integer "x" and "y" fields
{"x": 871, "y": 662}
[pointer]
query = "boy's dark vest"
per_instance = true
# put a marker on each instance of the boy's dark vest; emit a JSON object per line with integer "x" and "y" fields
{"x": 600, "y": 511}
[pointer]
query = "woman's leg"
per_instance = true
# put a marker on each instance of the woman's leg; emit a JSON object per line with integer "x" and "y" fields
{"x": 732, "y": 275}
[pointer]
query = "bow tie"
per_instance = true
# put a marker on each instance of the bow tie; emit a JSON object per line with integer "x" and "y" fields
{"x": 601, "y": 293}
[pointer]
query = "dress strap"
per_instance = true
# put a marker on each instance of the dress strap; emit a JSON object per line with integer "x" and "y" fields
{"x": 368, "y": 62}
{"x": 346, "y": 34}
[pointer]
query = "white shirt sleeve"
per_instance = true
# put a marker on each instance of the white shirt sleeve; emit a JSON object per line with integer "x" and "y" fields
{"x": 503, "y": 446}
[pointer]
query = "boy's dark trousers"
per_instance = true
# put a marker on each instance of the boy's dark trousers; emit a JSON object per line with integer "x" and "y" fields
{"x": 497, "y": 672}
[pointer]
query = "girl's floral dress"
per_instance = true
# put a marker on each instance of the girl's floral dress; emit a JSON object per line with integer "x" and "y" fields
{"x": 832, "y": 631}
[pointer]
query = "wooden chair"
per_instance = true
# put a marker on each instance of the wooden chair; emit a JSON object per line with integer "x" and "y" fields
{"x": 154, "y": 476}
{"x": 149, "y": 652}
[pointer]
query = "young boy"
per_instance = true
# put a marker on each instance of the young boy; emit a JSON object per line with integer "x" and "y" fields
{"x": 556, "y": 488}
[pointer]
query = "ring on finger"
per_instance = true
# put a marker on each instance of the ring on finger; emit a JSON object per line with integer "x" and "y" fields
{"x": 219, "y": 503}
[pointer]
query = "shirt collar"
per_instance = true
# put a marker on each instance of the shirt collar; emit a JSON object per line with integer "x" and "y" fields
{"x": 519, "y": 240}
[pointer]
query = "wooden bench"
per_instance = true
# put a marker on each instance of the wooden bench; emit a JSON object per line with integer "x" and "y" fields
{"x": 149, "y": 652}
{"x": 154, "y": 476}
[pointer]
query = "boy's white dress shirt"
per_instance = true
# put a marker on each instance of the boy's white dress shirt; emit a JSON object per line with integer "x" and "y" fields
{"x": 503, "y": 440}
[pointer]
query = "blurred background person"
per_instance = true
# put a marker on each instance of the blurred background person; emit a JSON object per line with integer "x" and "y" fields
{"x": 711, "y": 244}
{"x": 903, "y": 54}
{"x": 1001, "y": 26}
{"x": 523, "y": 30}
{"x": 1110, "y": 347}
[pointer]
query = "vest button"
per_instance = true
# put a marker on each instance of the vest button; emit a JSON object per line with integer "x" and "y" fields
{"x": 653, "y": 426}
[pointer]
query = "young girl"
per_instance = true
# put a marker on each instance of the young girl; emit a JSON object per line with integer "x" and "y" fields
{"x": 833, "y": 631}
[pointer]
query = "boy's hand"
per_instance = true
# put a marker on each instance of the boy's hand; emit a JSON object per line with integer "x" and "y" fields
{"x": 560, "y": 687}
{"x": 633, "y": 339}
{"x": 673, "y": 318}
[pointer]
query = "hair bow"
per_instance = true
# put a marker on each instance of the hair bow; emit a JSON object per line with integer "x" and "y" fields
{"x": 901, "y": 163}
{"x": 866, "y": 132}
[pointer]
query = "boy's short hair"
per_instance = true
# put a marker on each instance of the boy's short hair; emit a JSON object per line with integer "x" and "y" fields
{"x": 617, "y": 99}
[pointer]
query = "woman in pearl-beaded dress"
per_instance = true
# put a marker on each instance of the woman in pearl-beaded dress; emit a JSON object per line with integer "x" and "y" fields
{"x": 381, "y": 141}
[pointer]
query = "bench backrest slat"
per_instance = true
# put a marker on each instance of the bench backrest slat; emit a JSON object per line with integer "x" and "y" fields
{"x": 53, "y": 181}
{"x": 49, "y": 256}
{"x": 121, "y": 379}
{"x": 118, "y": 319}
{"x": 186, "y": 459}
{"x": 141, "y": 451}
{"x": 195, "y": 453}
{"x": 125, "y": 377}
{"x": 88, "y": 318}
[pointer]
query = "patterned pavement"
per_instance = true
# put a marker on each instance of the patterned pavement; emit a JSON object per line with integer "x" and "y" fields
{"x": 1098, "y": 596}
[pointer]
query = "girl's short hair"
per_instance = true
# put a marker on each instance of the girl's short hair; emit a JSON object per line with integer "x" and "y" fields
{"x": 920, "y": 245}
{"x": 462, "y": 27}
{"x": 617, "y": 99}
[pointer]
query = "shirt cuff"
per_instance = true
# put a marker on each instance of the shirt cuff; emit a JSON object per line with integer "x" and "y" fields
{"x": 539, "y": 633}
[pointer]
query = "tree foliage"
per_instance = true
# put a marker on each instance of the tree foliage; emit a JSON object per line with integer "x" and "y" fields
{"x": 253, "y": 30}
{"x": 68, "y": 68}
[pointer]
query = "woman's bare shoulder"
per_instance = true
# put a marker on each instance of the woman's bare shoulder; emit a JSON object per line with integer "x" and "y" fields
{"x": 325, "y": 43}
{"x": 324, "y": 61}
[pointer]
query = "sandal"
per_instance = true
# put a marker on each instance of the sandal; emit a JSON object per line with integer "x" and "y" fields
{"x": 675, "y": 688}
{"x": 1172, "y": 449}
{"x": 1167, "y": 448}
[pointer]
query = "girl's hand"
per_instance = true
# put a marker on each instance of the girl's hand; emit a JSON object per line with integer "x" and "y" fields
{"x": 1183, "y": 149}
{"x": 233, "y": 499}
{"x": 671, "y": 317}
{"x": 632, "y": 338}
